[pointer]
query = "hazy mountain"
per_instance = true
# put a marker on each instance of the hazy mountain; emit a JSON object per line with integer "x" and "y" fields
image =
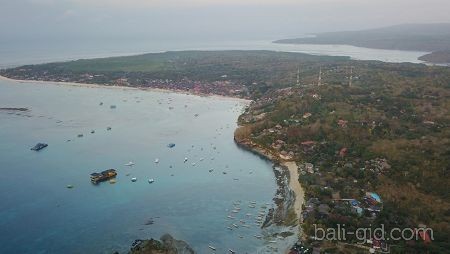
{"x": 417, "y": 37}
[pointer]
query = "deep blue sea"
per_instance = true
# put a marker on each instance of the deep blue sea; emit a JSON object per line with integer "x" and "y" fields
{"x": 38, "y": 214}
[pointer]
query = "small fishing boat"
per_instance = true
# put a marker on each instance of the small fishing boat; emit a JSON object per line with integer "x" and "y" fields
{"x": 108, "y": 128}
{"x": 92, "y": 131}
{"x": 231, "y": 251}
{"x": 156, "y": 160}
{"x": 151, "y": 180}
{"x": 185, "y": 159}
{"x": 129, "y": 164}
{"x": 134, "y": 179}
{"x": 39, "y": 146}
{"x": 211, "y": 247}
{"x": 69, "y": 186}
{"x": 171, "y": 145}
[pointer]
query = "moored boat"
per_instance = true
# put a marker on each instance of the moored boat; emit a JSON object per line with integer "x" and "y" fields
{"x": 39, "y": 146}
{"x": 103, "y": 176}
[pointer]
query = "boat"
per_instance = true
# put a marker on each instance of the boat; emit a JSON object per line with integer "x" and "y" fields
{"x": 129, "y": 164}
{"x": 80, "y": 135}
{"x": 134, "y": 179}
{"x": 92, "y": 131}
{"x": 151, "y": 180}
{"x": 231, "y": 251}
{"x": 113, "y": 106}
{"x": 156, "y": 160}
{"x": 69, "y": 186}
{"x": 211, "y": 247}
{"x": 108, "y": 128}
{"x": 39, "y": 146}
{"x": 185, "y": 159}
{"x": 103, "y": 176}
{"x": 211, "y": 170}
{"x": 171, "y": 145}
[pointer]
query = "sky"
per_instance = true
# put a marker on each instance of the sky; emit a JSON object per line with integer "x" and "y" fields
{"x": 25, "y": 20}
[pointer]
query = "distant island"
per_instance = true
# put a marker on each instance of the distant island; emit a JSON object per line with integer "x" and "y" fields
{"x": 371, "y": 139}
{"x": 415, "y": 37}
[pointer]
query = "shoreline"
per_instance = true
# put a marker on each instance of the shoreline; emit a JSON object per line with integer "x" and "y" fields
{"x": 150, "y": 89}
{"x": 291, "y": 167}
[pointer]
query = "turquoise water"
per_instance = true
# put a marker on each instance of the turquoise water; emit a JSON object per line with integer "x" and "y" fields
{"x": 38, "y": 214}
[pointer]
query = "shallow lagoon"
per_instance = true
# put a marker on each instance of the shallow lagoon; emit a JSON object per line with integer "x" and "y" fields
{"x": 38, "y": 214}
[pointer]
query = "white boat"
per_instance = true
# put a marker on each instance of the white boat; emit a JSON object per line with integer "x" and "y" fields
{"x": 211, "y": 247}
{"x": 134, "y": 179}
{"x": 129, "y": 164}
{"x": 185, "y": 159}
{"x": 156, "y": 160}
{"x": 151, "y": 180}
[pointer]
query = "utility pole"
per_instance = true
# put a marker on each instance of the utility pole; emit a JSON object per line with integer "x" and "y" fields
{"x": 351, "y": 77}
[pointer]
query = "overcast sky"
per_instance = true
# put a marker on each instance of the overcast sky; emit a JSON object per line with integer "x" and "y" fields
{"x": 206, "y": 19}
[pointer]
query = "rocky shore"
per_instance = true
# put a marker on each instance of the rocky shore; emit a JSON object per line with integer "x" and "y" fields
{"x": 166, "y": 245}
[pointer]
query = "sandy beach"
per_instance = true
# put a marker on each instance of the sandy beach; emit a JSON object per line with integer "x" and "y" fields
{"x": 104, "y": 86}
{"x": 295, "y": 186}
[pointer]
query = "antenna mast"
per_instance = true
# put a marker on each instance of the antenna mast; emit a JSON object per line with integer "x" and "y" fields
{"x": 319, "y": 81}
{"x": 351, "y": 77}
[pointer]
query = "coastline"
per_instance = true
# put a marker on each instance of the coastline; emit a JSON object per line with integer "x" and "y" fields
{"x": 86, "y": 85}
{"x": 289, "y": 165}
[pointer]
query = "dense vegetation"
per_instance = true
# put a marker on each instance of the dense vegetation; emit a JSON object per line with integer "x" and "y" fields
{"x": 388, "y": 132}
